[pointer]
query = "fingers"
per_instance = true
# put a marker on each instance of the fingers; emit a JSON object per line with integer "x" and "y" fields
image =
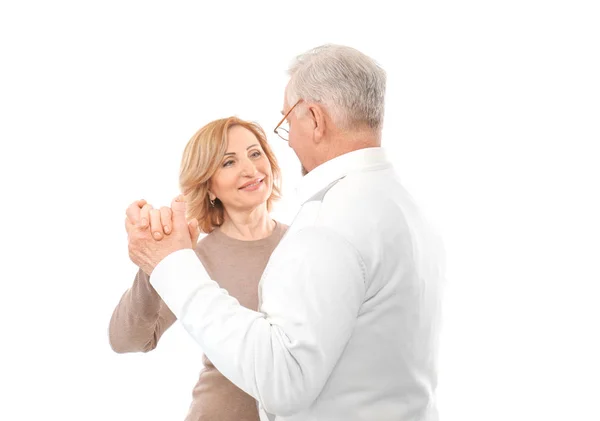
{"x": 128, "y": 226}
{"x": 145, "y": 215}
{"x": 141, "y": 215}
{"x": 133, "y": 211}
{"x": 178, "y": 203}
{"x": 156, "y": 227}
{"x": 160, "y": 222}
{"x": 165, "y": 218}
{"x": 132, "y": 230}
{"x": 179, "y": 208}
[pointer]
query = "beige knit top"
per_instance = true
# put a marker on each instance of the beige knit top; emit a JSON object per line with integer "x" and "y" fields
{"x": 141, "y": 317}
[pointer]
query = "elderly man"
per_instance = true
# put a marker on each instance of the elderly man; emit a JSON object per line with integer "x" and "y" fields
{"x": 348, "y": 322}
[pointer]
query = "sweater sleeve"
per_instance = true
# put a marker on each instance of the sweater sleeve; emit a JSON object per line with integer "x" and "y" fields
{"x": 140, "y": 318}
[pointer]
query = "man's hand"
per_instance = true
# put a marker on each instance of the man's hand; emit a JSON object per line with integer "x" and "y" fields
{"x": 146, "y": 251}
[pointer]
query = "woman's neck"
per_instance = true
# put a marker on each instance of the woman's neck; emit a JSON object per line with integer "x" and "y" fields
{"x": 249, "y": 225}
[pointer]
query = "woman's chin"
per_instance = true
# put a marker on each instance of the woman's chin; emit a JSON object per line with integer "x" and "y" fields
{"x": 250, "y": 205}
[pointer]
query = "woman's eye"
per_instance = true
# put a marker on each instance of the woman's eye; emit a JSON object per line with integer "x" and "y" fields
{"x": 228, "y": 163}
{"x": 255, "y": 154}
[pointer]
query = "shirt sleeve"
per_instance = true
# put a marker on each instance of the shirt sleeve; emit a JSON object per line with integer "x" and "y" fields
{"x": 283, "y": 354}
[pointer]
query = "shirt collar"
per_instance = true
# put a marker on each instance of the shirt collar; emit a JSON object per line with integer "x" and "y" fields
{"x": 338, "y": 167}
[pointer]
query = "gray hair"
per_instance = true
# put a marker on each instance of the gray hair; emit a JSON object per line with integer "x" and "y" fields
{"x": 348, "y": 83}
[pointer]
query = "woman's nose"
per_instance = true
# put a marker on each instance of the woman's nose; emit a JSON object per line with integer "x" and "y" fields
{"x": 248, "y": 168}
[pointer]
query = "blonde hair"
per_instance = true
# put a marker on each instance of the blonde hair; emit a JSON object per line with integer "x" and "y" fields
{"x": 202, "y": 158}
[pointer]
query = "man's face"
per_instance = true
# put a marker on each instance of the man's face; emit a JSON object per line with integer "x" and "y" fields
{"x": 300, "y": 133}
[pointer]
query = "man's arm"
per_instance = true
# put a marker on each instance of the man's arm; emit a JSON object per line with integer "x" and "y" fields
{"x": 282, "y": 355}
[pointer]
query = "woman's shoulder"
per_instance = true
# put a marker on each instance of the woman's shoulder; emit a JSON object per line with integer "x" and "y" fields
{"x": 281, "y": 227}
{"x": 206, "y": 242}
{"x": 278, "y": 233}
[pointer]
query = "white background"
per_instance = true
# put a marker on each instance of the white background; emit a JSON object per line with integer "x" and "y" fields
{"x": 492, "y": 118}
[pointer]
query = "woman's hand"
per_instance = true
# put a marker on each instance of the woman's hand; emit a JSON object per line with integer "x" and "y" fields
{"x": 141, "y": 214}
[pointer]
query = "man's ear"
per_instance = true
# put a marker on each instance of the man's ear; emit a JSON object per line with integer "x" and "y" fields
{"x": 318, "y": 116}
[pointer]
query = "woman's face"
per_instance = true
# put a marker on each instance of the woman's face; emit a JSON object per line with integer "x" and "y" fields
{"x": 244, "y": 179}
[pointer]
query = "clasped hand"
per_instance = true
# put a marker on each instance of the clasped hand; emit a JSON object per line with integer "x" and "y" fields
{"x": 153, "y": 234}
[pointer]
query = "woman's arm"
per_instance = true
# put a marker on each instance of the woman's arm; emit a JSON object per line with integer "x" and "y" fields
{"x": 140, "y": 318}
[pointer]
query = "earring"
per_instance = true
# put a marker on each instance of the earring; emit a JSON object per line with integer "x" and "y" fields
{"x": 212, "y": 203}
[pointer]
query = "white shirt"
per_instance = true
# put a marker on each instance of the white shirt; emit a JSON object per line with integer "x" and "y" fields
{"x": 349, "y": 304}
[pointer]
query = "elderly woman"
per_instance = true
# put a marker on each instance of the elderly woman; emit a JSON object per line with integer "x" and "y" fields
{"x": 229, "y": 177}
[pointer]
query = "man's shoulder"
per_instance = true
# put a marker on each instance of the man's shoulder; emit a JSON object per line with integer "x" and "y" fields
{"x": 364, "y": 195}
{"x": 364, "y": 208}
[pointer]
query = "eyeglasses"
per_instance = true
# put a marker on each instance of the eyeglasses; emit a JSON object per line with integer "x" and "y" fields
{"x": 282, "y": 132}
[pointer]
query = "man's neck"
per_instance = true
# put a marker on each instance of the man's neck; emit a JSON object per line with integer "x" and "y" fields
{"x": 346, "y": 142}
